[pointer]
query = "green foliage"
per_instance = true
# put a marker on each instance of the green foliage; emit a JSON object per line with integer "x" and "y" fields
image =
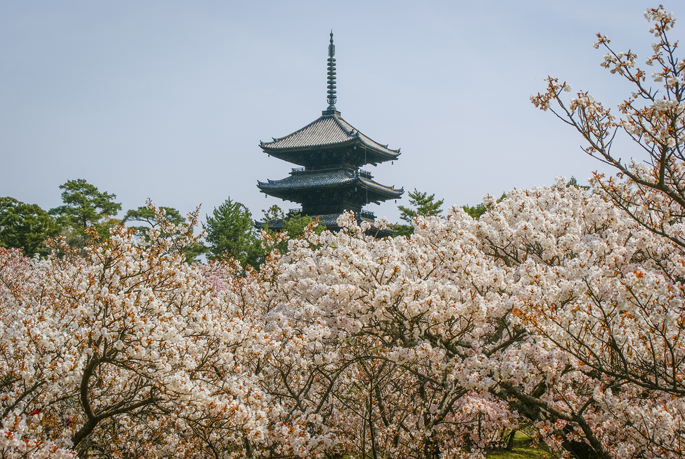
{"x": 145, "y": 214}
{"x": 476, "y": 211}
{"x": 25, "y": 226}
{"x": 294, "y": 225}
{"x": 194, "y": 251}
{"x": 231, "y": 234}
{"x": 402, "y": 230}
{"x": 574, "y": 183}
{"x": 423, "y": 205}
{"x": 273, "y": 213}
{"x": 85, "y": 206}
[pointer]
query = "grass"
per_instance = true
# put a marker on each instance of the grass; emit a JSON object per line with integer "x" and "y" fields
{"x": 522, "y": 450}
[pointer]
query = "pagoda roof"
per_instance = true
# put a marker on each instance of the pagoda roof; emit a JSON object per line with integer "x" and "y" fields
{"x": 328, "y": 131}
{"x": 330, "y": 178}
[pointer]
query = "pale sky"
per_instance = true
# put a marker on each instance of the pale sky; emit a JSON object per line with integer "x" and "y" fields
{"x": 169, "y": 99}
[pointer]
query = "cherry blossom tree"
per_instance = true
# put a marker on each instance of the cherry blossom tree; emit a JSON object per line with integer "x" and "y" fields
{"x": 126, "y": 351}
{"x": 619, "y": 312}
{"x": 590, "y": 288}
{"x": 381, "y": 342}
{"x": 652, "y": 117}
{"x": 549, "y": 307}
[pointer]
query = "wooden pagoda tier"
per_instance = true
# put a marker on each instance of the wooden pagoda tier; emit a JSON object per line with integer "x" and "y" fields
{"x": 329, "y": 141}
{"x": 329, "y": 191}
{"x": 330, "y": 151}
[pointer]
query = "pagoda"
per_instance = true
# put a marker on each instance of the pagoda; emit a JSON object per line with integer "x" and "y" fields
{"x": 330, "y": 153}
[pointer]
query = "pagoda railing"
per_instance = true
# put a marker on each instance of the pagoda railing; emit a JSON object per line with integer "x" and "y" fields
{"x": 302, "y": 170}
{"x": 297, "y": 210}
{"x": 366, "y": 214}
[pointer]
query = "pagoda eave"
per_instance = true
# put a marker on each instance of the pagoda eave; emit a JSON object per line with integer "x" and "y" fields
{"x": 305, "y": 155}
{"x": 362, "y": 196}
{"x": 304, "y": 183}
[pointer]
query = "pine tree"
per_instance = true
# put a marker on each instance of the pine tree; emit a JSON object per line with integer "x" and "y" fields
{"x": 424, "y": 206}
{"x": 231, "y": 233}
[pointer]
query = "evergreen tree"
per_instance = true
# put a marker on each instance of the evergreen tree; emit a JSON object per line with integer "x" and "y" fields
{"x": 85, "y": 206}
{"x": 424, "y": 205}
{"x": 273, "y": 213}
{"x": 293, "y": 224}
{"x": 574, "y": 183}
{"x": 478, "y": 210}
{"x": 475, "y": 211}
{"x": 25, "y": 226}
{"x": 145, "y": 214}
{"x": 231, "y": 233}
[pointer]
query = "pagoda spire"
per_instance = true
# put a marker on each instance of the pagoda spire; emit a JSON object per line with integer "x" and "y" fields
{"x": 331, "y": 76}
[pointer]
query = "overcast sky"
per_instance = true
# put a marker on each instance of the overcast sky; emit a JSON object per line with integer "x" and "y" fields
{"x": 169, "y": 99}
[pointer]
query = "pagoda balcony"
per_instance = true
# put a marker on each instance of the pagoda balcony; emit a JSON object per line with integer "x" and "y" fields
{"x": 365, "y": 214}
{"x": 302, "y": 170}
{"x": 319, "y": 186}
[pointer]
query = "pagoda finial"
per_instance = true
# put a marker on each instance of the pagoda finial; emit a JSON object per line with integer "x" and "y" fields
{"x": 331, "y": 75}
